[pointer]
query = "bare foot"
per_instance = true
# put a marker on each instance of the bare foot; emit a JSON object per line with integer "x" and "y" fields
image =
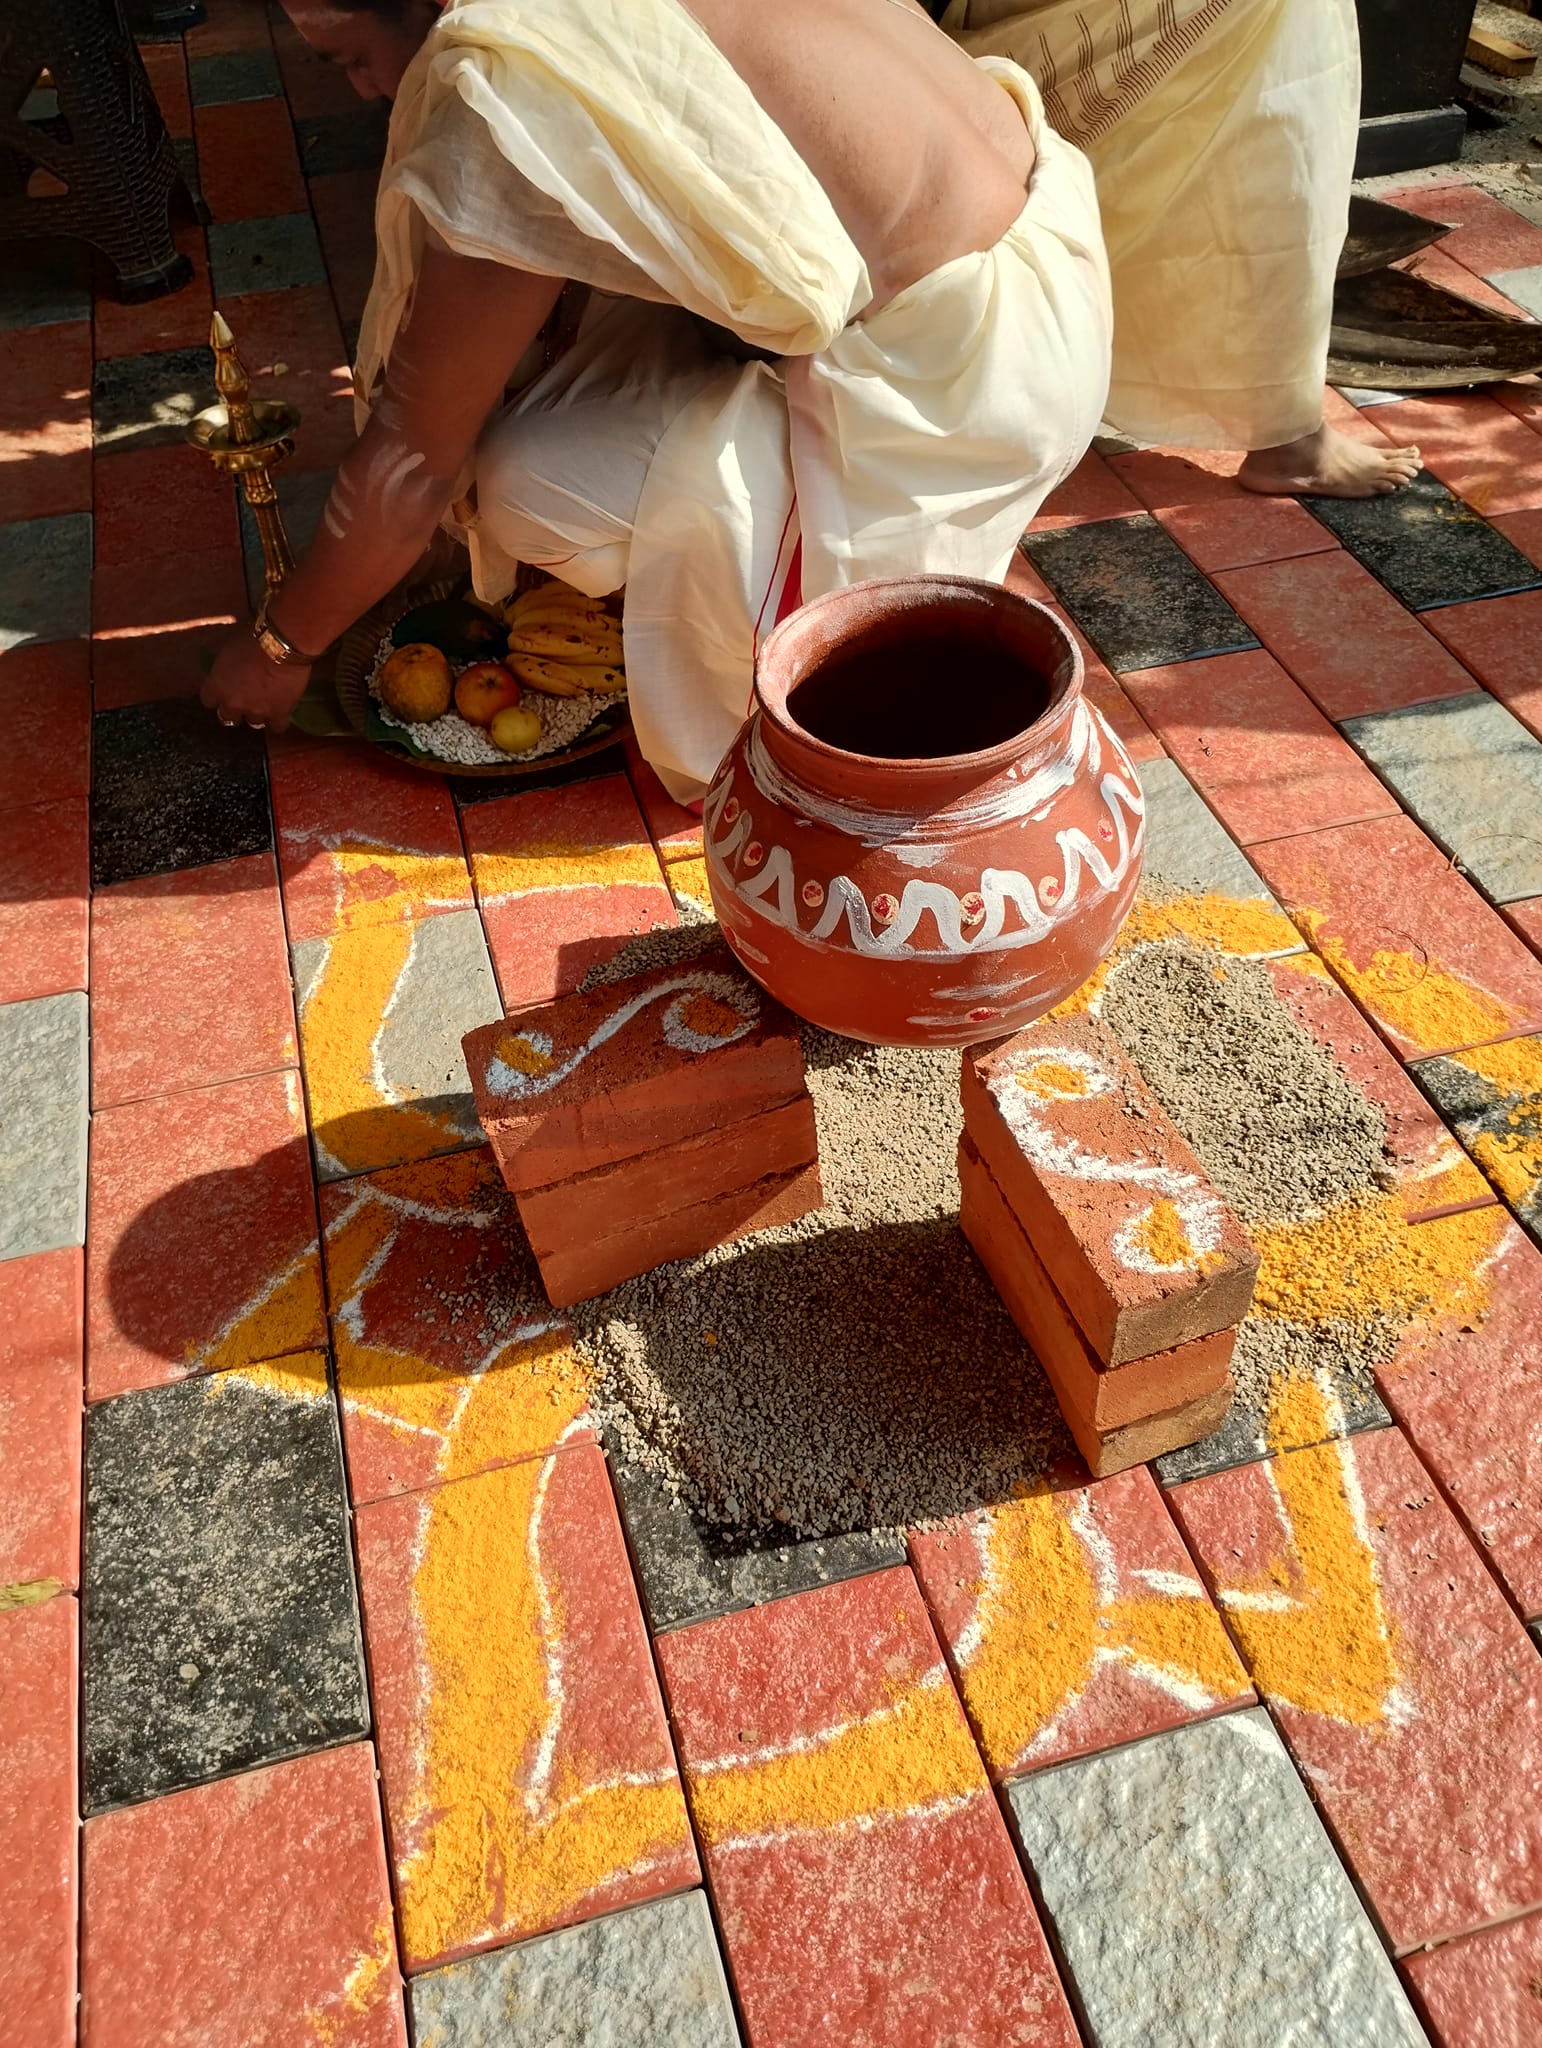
{"x": 1329, "y": 464}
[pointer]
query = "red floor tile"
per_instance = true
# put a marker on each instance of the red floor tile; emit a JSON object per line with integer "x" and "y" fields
{"x": 529, "y": 1781}
{"x": 450, "y": 1359}
{"x": 1218, "y": 524}
{"x": 41, "y": 1305}
{"x": 344, "y": 205}
{"x": 1527, "y": 920}
{"x": 1346, "y": 640}
{"x": 1091, "y": 491}
{"x": 1433, "y": 1175}
{"x": 1415, "y": 945}
{"x": 201, "y": 1243}
{"x": 166, "y": 65}
{"x": 45, "y": 422}
{"x": 160, "y": 504}
{"x": 38, "y": 1862}
{"x": 1074, "y": 1621}
{"x": 363, "y": 840}
{"x": 152, "y": 624}
{"x": 1025, "y": 579}
{"x": 293, "y": 349}
{"x": 675, "y": 831}
{"x": 168, "y": 1012}
{"x": 1409, "y": 1693}
{"x": 1263, "y": 756}
{"x": 1525, "y": 529}
{"x": 1488, "y": 235}
{"x": 564, "y": 877}
{"x": 251, "y": 1913}
{"x": 45, "y": 711}
{"x": 247, "y": 161}
{"x": 1483, "y": 1992}
{"x": 1500, "y": 640}
{"x": 1436, "y": 267}
{"x": 45, "y": 863}
{"x": 1480, "y": 449}
{"x": 865, "y": 1884}
{"x": 1470, "y": 1401}
{"x": 180, "y": 320}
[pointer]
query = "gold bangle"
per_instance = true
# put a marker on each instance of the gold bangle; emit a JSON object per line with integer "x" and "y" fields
{"x": 275, "y": 646}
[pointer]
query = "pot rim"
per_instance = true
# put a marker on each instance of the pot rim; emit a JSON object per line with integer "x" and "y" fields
{"x": 771, "y": 692}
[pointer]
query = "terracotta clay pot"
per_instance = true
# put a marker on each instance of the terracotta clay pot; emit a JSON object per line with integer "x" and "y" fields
{"x": 923, "y": 833}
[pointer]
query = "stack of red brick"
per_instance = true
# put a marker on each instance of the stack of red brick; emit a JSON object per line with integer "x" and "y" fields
{"x": 647, "y": 1121}
{"x": 1118, "y": 1260}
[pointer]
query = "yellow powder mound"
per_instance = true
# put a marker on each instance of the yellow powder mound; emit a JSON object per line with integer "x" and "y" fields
{"x": 709, "y": 1018}
{"x": 1245, "y": 926}
{"x": 565, "y": 866}
{"x": 1419, "y": 997}
{"x": 283, "y": 1316}
{"x": 417, "y": 882}
{"x": 1161, "y": 1235}
{"x": 303, "y": 1378}
{"x": 1051, "y": 1081}
{"x": 1360, "y": 1262}
{"x": 523, "y": 1055}
{"x": 1512, "y": 1159}
{"x": 1512, "y": 1156}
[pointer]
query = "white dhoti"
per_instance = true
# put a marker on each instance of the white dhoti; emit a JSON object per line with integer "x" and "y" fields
{"x": 610, "y": 142}
{"x": 1222, "y": 133}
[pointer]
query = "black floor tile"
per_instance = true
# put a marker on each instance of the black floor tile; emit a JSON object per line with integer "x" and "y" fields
{"x": 482, "y": 789}
{"x": 1477, "y": 1108}
{"x": 342, "y": 142}
{"x": 1135, "y": 593}
{"x": 687, "y": 1575}
{"x": 1241, "y": 1439}
{"x": 1426, "y": 546}
{"x": 221, "y": 1621}
{"x": 238, "y": 75}
{"x": 45, "y": 578}
{"x": 173, "y": 788}
{"x": 147, "y": 401}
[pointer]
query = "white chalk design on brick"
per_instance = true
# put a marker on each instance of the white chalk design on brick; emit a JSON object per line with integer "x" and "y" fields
{"x": 1199, "y": 1209}
{"x": 738, "y": 996}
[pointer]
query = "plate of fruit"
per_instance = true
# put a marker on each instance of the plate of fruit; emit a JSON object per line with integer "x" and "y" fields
{"x": 466, "y": 688}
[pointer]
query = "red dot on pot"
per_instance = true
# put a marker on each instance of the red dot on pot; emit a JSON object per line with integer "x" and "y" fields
{"x": 754, "y": 854}
{"x": 971, "y": 908}
{"x": 730, "y": 810}
{"x": 1105, "y": 830}
{"x": 812, "y": 894}
{"x": 983, "y": 1016}
{"x": 1049, "y": 890}
{"x": 885, "y": 909}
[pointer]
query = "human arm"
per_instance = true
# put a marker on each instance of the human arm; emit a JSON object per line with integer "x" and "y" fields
{"x": 470, "y": 323}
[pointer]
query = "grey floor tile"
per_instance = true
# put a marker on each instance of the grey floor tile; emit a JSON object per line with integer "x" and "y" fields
{"x": 1135, "y": 593}
{"x": 173, "y": 788}
{"x": 45, "y": 579}
{"x": 302, "y": 496}
{"x": 1491, "y": 1100}
{"x": 1426, "y": 545}
{"x": 1188, "y": 849}
{"x": 238, "y": 75}
{"x": 274, "y": 254}
{"x": 650, "y": 1977}
{"x": 46, "y": 283}
{"x": 43, "y": 1123}
{"x": 1471, "y": 774}
{"x": 1242, "y": 1438}
{"x": 1524, "y": 286}
{"x": 342, "y": 142}
{"x": 221, "y": 1620}
{"x": 1198, "y": 1900}
{"x": 147, "y": 401}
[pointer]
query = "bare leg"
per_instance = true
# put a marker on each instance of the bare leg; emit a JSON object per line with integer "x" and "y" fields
{"x": 1329, "y": 464}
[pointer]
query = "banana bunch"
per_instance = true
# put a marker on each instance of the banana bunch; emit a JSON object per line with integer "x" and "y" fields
{"x": 562, "y": 642}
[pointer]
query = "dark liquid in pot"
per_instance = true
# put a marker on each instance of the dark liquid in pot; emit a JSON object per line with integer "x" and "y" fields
{"x": 949, "y": 688}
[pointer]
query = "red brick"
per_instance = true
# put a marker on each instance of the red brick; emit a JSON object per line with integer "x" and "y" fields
{"x": 247, "y": 161}
{"x": 1434, "y": 1176}
{"x": 1025, "y": 579}
{"x": 528, "y": 1775}
{"x": 1483, "y": 1992}
{"x": 1527, "y": 921}
{"x": 45, "y": 709}
{"x": 293, "y": 350}
{"x": 1437, "y": 268}
{"x": 244, "y": 1914}
{"x": 675, "y": 831}
{"x": 1480, "y": 449}
{"x": 1500, "y": 640}
{"x": 1525, "y": 530}
{"x": 1409, "y": 1693}
{"x": 41, "y": 1390}
{"x": 1218, "y": 524}
{"x": 1091, "y": 491}
{"x": 168, "y": 1012}
{"x": 45, "y": 422}
{"x": 179, "y": 320}
{"x": 1058, "y": 1143}
{"x": 44, "y": 879}
{"x": 1263, "y": 756}
{"x": 344, "y": 205}
{"x": 38, "y": 1861}
{"x": 1074, "y": 1621}
{"x": 362, "y": 840}
{"x": 1488, "y": 234}
{"x": 201, "y": 1245}
{"x": 1469, "y": 1396}
{"x": 1099, "y": 1402}
{"x": 579, "y": 1271}
{"x": 1346, "y": 640}
{"x": 564, "y": 878}
{"x": 449, "y": 1359}
{"x": 152, "y": 622}
{"x": 1415, "y": 945}
{"x": 161, "y": 504}
{"x": 599, "y": 1077}
{"x": 865, "y": 1885}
